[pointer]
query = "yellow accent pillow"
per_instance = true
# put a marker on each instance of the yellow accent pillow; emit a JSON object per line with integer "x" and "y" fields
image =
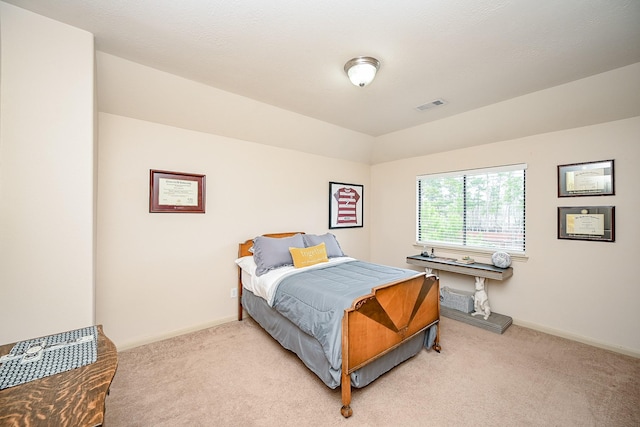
{"x": 304, "y": 257}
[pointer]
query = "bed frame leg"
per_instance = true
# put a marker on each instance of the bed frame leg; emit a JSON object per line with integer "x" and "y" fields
{"x": 345, "y": 386}
{"x": 436, "y": 344}
{"x": 346, "y": 411}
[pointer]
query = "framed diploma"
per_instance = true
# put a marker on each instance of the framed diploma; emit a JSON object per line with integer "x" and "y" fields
{"x": 586, "y": 179}
{"x": 345, "y": 205}
{"x": 176, "y": 192}
{"x": 587, "y": 223}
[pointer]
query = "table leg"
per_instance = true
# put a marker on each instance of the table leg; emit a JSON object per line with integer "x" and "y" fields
{"x": 481, "y": 299}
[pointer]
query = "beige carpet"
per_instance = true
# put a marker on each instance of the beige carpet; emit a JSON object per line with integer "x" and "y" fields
{"x": 236, "y": 375}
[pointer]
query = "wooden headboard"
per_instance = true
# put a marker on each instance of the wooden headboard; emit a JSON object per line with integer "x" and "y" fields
{"x": 243, "y": 250}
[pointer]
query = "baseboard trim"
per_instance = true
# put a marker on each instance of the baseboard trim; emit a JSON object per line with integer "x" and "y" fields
{"x": 525, "y": 324}
{"x": 578, "y": 338}
{"x": 161, "y": 337}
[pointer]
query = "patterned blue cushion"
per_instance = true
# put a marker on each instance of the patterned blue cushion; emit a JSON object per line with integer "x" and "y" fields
{"x": 14, "y": 372}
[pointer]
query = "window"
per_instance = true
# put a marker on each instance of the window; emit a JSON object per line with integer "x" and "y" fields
{"x": 482, "y": 208}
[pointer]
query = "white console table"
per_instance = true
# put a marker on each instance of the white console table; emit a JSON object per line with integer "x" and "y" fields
{"x": 495, "y": 322}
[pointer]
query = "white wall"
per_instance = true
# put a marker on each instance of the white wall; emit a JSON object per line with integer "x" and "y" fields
{"x": 46, "y": 176}
{"x": 578, "y": 289}
{"x": 162, "y": 274}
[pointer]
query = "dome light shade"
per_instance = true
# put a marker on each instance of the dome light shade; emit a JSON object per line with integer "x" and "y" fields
{"x": 362, "y": 70}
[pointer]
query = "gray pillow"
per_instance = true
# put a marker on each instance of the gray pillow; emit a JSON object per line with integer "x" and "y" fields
{"x": 330, "y": 241}
{"x": 272, "y": 252}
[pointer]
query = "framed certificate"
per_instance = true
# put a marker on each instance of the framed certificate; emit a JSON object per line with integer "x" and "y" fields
{"x": 587, "y": 223}
{"x": 586, "y": 179}
{"x": 176, "y": 192}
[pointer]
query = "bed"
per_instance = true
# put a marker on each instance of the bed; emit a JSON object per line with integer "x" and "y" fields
{"x": 349, "y": 321}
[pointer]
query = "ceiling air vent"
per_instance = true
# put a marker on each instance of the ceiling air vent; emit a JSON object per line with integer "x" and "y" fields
{"x": 433, "y": 104}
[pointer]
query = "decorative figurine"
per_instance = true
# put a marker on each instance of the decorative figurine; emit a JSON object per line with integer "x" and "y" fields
{"x": 501, "y": 259}
{"x": 481, "y": 300}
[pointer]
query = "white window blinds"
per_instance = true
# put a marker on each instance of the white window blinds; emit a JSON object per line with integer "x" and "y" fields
{"x": 481, "y": 208}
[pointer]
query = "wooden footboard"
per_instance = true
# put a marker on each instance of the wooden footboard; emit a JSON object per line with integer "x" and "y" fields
{"x": 379, "y": 322}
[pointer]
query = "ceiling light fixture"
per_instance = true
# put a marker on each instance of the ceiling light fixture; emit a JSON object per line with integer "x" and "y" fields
{"x": 362, "y": 70}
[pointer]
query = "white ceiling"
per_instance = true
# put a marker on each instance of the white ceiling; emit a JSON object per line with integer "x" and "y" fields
{"x": 291, "y": 53}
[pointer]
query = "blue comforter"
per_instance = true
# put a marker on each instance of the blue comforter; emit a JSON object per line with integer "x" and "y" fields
{"x": 315, "y": 300}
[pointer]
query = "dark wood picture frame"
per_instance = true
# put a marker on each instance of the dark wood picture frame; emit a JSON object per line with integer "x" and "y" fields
{"x": 176, "y": 192}
{"x": 595, "y": 223}
{"x": 346, "y": 202}
{"x": 586, "y": 179}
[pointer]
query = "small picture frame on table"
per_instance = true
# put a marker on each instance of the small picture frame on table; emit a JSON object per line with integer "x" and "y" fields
{"x": 596, "y": 223}
{"x": 586, "y": 179}
{"x": 176, "y": 192}
{"x": 345, "y": 205}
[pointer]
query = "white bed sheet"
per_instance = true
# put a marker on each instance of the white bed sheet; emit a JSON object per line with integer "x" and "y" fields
{"x": 265, "y": 285}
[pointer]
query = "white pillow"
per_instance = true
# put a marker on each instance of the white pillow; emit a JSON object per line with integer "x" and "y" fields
{"x": 247, "y": 264}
